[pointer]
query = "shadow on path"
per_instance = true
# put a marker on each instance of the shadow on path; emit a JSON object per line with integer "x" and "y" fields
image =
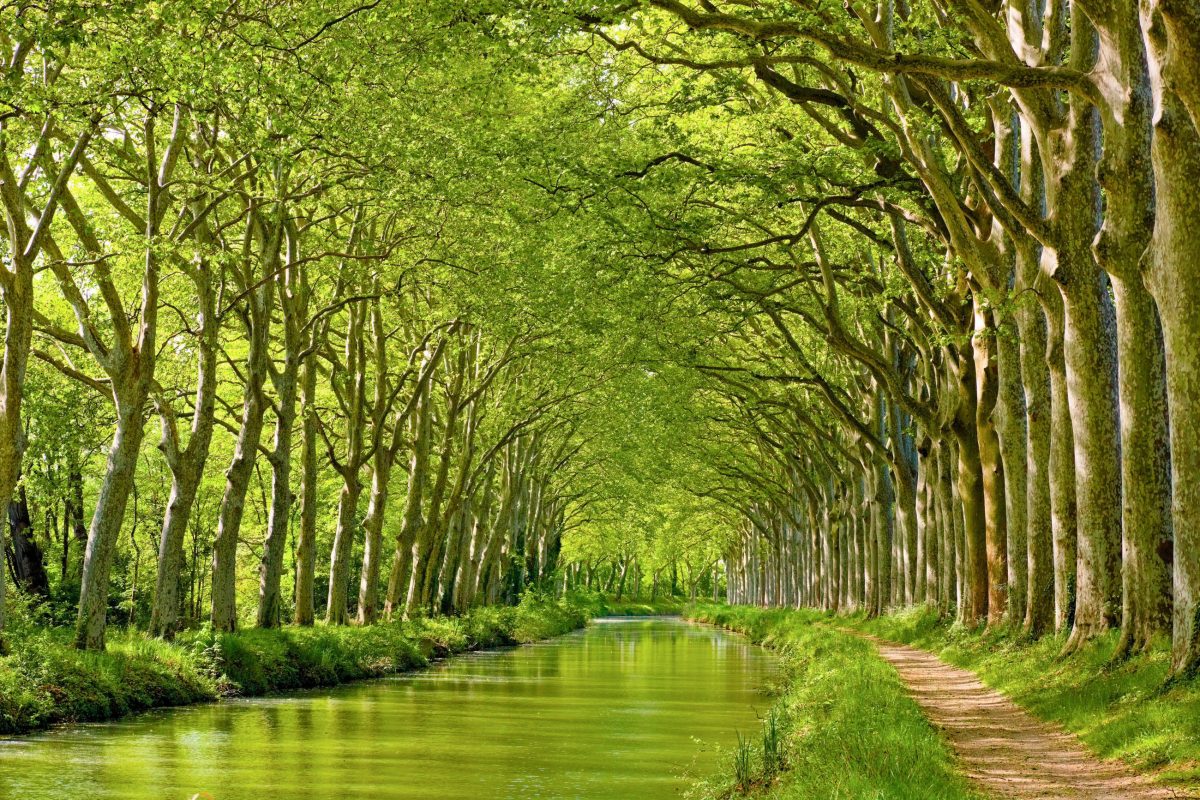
{"x": 1005, "y": 750}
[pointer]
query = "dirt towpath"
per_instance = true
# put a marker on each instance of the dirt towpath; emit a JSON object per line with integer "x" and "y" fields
{"x": 1003, "y": 748}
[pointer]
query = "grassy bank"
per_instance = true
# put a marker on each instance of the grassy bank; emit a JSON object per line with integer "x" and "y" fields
{"x": 45, "y": 681}
{"x": 1120, "y": 710}
{"x": 842, "y": 727}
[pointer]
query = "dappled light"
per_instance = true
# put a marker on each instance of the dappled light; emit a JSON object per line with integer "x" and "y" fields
{"x": 343, "y": 339}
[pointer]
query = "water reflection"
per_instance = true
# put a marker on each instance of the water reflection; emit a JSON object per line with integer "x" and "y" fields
{"x": 624, "y": 709}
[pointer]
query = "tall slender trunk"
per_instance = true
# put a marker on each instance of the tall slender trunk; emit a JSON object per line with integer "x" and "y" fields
{"x": 368, "y": 588}
{"x": 293, "y": 302}
{"x": 187, "y": 463}
{"x": 418, "y": 478}
{"x": 306, "y": 544}
{"x": 241, "y": 469}
{"x": 354, "y": 374}
{"x": 1090, "y": 355}
{"x": 1012, "y": 428}
{"x": 1145, "y": 471}
{"x": 165, "y": 613}
{"x": 971, "y": 497}
{"x": 270, "y": 570}
{"x": 987, "y": 382}
{"x": 480, "y": 540}
{"x": 108, "y": 518}
{"x": 1035, "y": 379}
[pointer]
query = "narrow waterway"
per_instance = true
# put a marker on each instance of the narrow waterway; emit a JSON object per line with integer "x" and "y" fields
{"x": 626, "y": 708}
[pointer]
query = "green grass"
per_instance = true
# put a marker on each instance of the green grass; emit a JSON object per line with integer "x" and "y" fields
{"x": 44, "y": 680}
{"x": 842, "y": 727}
{"x": 1124, "y": 710}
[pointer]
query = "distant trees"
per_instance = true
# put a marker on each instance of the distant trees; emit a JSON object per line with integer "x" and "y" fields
{"x": 951, "y": 233}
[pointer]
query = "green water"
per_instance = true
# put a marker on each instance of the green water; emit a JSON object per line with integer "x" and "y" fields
{"x": 623, "y": 709}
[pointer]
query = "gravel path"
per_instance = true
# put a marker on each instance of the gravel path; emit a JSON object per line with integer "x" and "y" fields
{"x": 1003, "y": 748}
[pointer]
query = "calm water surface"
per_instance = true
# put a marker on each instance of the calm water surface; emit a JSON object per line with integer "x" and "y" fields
{"x": 623, "y": 709}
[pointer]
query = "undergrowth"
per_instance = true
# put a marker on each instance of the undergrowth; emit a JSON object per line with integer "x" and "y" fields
{"x": 44, "y": 680}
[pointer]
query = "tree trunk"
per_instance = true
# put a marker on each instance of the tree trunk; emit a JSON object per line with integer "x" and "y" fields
{"x": 306, "y": 544}
{"x": 971, "y": 497}
{"x": 1173, "y": 276}
{"x": 987, "y": 381}
{"x": 1064, "y": 507}
{"x": 1090, "y": 355}
{"x": 1012, "y": 428}
{"x": 1145, "y": 471}
{"x": 237, "y": 477}
{"x": 368, "y": 588}
{"x": 1035, "y": 378}
{"x": 270, "y": 571}
{"x": 25, "y": 558}
{"x": 418, "y": 477}
{"x": 108, "y": 518}
{"x": 164, "y": 616}
{"x": 354, "y": 373}
{"x": 186, "y": 464}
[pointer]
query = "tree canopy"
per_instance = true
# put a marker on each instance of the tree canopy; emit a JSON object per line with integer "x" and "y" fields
{"x": 364, "y": 309}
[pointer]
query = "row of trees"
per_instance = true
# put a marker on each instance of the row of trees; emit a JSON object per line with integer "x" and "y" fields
{"x": 206, "y": 238}
{"x": 954, "y": 250}
{"x": 891, "y": 302}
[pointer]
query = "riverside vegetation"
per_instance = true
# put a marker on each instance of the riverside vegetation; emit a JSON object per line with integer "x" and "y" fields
{"x": 382, "y": 312}
{"x": 841, "y": 726}
{"x": 47, "y": 681}
{"x": 844, "y": 726}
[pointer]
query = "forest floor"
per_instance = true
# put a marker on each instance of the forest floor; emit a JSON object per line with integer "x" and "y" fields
{"x": 44, "y": 680}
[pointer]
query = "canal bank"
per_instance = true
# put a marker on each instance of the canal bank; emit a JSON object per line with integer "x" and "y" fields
{"x": 843, "y": 725}
{"x": 45, "y": 681}
{"x": 625, "y": 708}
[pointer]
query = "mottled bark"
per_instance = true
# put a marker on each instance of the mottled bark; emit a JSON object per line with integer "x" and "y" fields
{"x": 1145, "y": 471}
{"x": 306, "y": 535}
{"x": 418, "y": 479}
{"x": 1035, "y": 379}
{"x": 293, "y": 298}
{"x": 1012, "y": 428}
{"x": 107, "y": 519}
{"x": 971, "y": 497}
{"x": 241, "y": 469}
{"x": 987, "y": 382}
{"x": 1090, "y": 355}
{"x": 1064, "y": 507}
{"x": 186, "y": 462}
{"x": 352, "y": 376}
{"x": 1172, "y": 270}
